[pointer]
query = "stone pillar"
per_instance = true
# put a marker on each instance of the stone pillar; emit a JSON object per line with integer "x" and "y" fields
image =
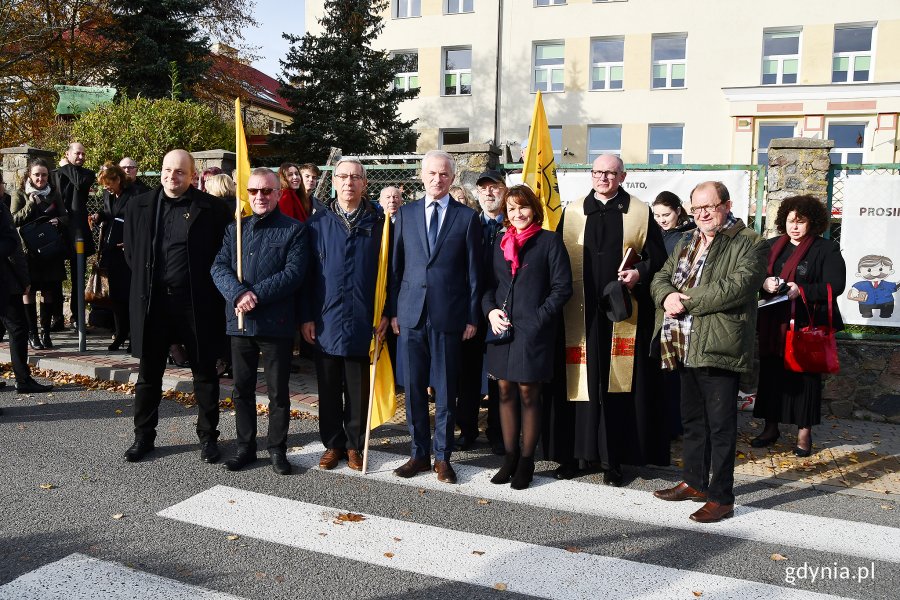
{"x": 796, "y": 166}
{"x": 471, "y": 161}
{"x": 15, "y": 161}
{"x": 224, "y": 159}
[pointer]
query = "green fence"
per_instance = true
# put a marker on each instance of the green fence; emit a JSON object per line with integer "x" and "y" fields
{"x": 837, "y": 177}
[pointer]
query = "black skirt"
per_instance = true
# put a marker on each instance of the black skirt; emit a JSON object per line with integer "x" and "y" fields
{"x": 788, "y": 397}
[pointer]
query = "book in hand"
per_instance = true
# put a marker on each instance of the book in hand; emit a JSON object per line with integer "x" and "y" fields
{"x": 630, "y": 259}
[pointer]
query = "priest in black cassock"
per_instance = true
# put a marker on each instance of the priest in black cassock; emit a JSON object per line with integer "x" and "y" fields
{"x": 609, "y": 411}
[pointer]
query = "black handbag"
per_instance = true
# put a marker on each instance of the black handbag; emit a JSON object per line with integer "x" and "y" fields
{"x": 42, "y": 238}
{"x": 505, "y": 336}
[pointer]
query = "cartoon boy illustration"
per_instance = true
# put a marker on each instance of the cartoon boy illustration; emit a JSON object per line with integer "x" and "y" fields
{"x": 873, "y": 292}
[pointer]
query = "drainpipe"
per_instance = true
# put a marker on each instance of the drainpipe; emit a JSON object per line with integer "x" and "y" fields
{"x": 498, "y": 76}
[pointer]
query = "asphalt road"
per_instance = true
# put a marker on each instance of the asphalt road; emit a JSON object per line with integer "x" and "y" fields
{"x": 65, "y": 490}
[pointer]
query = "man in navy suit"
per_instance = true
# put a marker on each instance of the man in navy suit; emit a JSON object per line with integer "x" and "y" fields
{"x": 434, "y": 303}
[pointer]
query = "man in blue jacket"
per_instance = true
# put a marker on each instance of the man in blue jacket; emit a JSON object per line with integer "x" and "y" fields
{"x": 274, "y": 256}
{"x": 337, "y": 312}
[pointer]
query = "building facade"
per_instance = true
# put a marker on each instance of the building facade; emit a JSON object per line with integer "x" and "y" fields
{"x": 655, "y": 81}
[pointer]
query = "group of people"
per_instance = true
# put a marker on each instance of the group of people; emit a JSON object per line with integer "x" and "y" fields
{"x": 626, "y": 327}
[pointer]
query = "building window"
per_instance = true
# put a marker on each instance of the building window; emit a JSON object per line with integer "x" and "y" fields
{"x": 404, "y": 9}
{"x": 781, "y": 57}
{"x": 276, "y": 126}
{"x": 454, "y": 136}
{"x": 407, "y": 78}
{"x": 852, "y": 59}
{"x": 767, "y": 133}
{"x": 457, "y": 71}
{"x": 452, "y": 7}
{"x": 607, "y": 63}
{"x": 604, "y": 139}
{"x": 549, "y": 2}
{"x": 849, "y": 143}
{"x": 669, "y": 60}
{"x": 549, "y": 68}
{"x": 665, "y": 145}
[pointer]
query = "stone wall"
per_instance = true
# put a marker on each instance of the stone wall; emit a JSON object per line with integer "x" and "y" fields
{"x": 868, "y": 384}
{"x": 796, "y": 166}
{"x": 15, "y": 160}
{"x": 471, "y": 161}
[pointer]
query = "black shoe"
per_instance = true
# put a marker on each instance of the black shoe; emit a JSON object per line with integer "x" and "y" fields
{"x": 114, "y": 347}
{"x": 798, "y": 451}
{"x": 57, "y": 325}
{"x": 465, "y": 442}
{"x": 761, "y": 442}
{"x": 209, "y": 452}
{"x": 243, "y": 457}
{"x": 280, "y": 462}
{"x": 2, "y": 384}
{"x": 30, "y": 386}
{"x": 45, "y": 340}
{"x": 498, "y": 448}
{"x": 138, "y": 450}
{"x": 504, "y": 475}
{"x": 613, "y": 477}
{"x": 567, "y": 470}
{"x": 35, "y": 341}
{"x": 524, "y": 473}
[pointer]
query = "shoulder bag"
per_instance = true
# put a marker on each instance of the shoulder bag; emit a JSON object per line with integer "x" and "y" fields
{"x": 811, "y": 349}
{"x": 42, "y": 238}
{"x": 505, "y": 336}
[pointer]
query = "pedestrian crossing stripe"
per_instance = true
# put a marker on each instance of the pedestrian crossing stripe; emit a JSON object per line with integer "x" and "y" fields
{"x": 779, "y": 528}
{"x": 80, "y": 577}
{"x": 447, "y": 554}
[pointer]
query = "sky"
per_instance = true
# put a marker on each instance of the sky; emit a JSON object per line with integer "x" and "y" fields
{"x": 275, "y": 19}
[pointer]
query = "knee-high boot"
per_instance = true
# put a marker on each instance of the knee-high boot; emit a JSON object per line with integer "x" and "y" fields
{"x": 34, "y": 340}
{"x": 46, "y": 319}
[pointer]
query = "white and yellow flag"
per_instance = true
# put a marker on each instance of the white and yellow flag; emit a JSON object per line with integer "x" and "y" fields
{"x": 384, "y": 400}
{"x": 539, "y": 170}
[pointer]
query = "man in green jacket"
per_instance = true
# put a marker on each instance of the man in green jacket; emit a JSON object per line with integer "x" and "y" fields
{"x": 706, "y": 317}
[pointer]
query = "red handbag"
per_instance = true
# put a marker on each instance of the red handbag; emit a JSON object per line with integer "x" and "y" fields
{"x": 811, "y": 349}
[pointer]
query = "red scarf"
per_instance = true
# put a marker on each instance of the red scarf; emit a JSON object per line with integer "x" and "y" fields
{"x": 512, "y": 243}
{"x": 290, "y": 205}
{"x": 789, "y": 270}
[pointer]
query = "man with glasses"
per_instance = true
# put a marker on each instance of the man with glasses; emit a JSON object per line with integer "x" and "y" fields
{"x": 338, "y": 311}
{"x": 613, "y": 387}
{"x": 172, "y": 236}
{"x": 131, "y": 170}
{"x": 706, "y": 316}
{"x": 273, "y": 269}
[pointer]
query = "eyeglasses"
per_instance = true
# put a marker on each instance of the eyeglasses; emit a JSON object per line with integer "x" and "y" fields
{"x": 261, "y": 191}
{"x": 604, "y": 174}
{"x": 134, "y": 168}
{"x": 352, "y": 176}
{"x": 708, "y": 208}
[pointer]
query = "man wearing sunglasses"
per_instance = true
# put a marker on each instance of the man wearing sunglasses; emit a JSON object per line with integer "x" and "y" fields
{"x": 273, "y": 264}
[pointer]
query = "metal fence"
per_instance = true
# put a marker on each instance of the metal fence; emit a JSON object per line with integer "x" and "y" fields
{"x": 838, "y": 174}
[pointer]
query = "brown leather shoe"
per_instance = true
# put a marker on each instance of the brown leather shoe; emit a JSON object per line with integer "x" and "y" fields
{"x": 354, "y": 459}
{"x": 413, "y": 467}
{"x": 682, "y": 491}
{"x": 712, "y": 512}
{"x": 331, "y": 458}
{"x": 445, "y": 472}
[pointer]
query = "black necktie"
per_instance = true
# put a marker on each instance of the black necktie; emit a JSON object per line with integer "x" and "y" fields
{"x": 433, "y": 226}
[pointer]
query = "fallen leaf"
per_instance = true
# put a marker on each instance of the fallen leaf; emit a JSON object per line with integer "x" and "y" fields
{"x": 421, "y": 491}
{"x": 482, "y": 501}
{"x": 279, "y": 578}
{"x": 259, "y": 575}
{"x": 573, "y": 549}
{"x": 350, "y": 517}
{"x": 47, "y": 486}
{"x": 396, "y": 539}
{"x": 697, "y": 594}
{"x": 232, "y": 537}
{"x": 118, "y": 516}
{"x": 887, "y": 507}
{"x": 389, "y": 555}
{"x": 741, "y": 455}
{"x": 478, "y": 552}
{"x": 500, "y": 586}
{"x": 777, "y": 556}
{"x": 118, "y": 411}
{"x": 231, "y": 502}
{"x": 322, "y": 534}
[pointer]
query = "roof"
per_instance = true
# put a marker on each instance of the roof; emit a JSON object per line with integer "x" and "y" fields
{"x": 261, "y": 88}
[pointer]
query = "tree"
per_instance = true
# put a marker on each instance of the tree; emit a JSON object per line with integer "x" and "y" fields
{"x": 341, "y": 89}
{"x": 150, "y": 35}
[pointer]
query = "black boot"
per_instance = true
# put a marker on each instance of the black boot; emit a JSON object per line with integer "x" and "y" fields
{"x": 34, "y": 340}
{"x": 510, "y": 462}
{"x": 46, "y": 318}
{"x": 524, "y": 473}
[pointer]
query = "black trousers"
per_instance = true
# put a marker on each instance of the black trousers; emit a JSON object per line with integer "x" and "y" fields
{"x": 343, "y": 400}
{"x": 276, "y": 357}
{"x": 169, "y": 321}
{"x": 469, "y": 401}
{"x": 709, "y": 416}
{"x": 16, "y": 324}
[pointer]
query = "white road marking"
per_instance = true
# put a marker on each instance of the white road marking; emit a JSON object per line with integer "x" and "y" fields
{"x": 776, "y": 527}
{"x": 80, "y": 577}
{"x": 447, "y": 554}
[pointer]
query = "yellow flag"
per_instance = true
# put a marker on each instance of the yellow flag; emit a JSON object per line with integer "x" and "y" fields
{"x": 384, "y": 400}
{"x": 539, "y": 170}
{"x": 243, "y": 162}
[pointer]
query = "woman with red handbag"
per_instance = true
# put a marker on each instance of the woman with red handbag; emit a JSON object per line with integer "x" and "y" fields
{"x": 810, "y": 271}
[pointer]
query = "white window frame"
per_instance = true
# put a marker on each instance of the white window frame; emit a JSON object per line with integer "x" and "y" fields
{"x": 458, "y": 72}
{"x": 665, "y": 152}
{"x": 760, "y": 125}
{"x": 443, "y": 132}
{"x": 843, "y": 151}
{"x": 461, "y": 7}
{"x": 543, "y": 3}
{"x": 852, "y": 56}
{"x": 548, "y": 69}
{"x": 593, "y": 153}
{"x": 781, "y": 58}
{"x": 668, "y": 63}
{"x": 407, "y": 75}
{"x": 409, "y": 6}
{"x": 276, "y": 126}
{"x": 608, "y": 66}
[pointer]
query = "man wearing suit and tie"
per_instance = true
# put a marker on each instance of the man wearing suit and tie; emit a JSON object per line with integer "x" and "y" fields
{"x": 434, "y": 304}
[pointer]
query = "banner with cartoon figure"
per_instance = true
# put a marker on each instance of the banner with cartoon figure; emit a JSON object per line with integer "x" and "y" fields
{"x": 871, "y": 249}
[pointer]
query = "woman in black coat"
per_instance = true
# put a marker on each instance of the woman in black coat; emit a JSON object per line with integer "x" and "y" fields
{"x": 112, "y": 255}
{"x": 37, "y": 200}
{"x": 530, "y": 284}
{"x": 798, "y": 259}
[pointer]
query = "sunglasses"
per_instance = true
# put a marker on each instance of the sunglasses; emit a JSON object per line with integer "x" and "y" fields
{"x": 262, "y": 191}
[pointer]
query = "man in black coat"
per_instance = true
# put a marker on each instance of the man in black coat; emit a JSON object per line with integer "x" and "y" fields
{"x": 74, "y": 184}
{"x": 172, "y": 236}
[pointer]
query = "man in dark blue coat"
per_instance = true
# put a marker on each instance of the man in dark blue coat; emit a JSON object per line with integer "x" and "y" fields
{"x": 274, "y": 255}
{"x": 338, "y": 311}
{"x": 435, "y": 306}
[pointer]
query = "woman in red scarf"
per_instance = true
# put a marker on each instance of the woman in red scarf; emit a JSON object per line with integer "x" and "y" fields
{"x": 294, "y": 201}
{"x": 530, "y": 283}
{"x": 799, "y": 259}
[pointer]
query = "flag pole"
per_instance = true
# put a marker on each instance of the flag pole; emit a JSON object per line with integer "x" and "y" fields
{"x": 373, "y": 372}
{"x": 239, "y": 253}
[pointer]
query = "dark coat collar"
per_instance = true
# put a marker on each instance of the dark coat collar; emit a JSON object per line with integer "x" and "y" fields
{"x": 620, "y": 201}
